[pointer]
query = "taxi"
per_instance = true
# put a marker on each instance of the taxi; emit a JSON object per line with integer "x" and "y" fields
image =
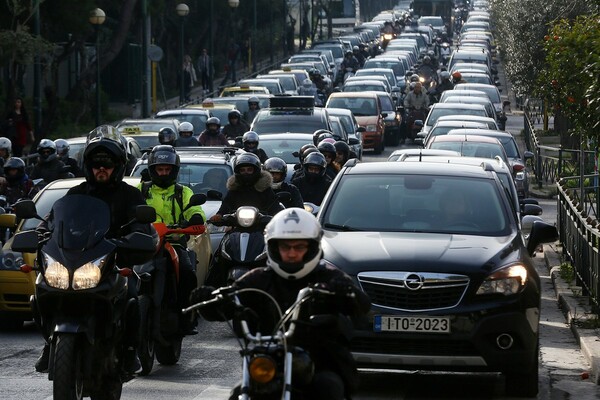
{"x": 219, "y": 110}
{"x": 243, "y": 89}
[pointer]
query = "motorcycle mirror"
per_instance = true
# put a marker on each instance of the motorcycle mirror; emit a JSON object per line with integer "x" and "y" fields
{"x": 25, "y": 242}
{"x": 145, "y": 214}
{"x": 25, "y": 209}
{"x": 214, "y": 195}
{"x": 196, "y": 200}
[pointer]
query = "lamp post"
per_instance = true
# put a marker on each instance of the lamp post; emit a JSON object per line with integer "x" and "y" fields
{"x": 233, "y": 4}
{"x": 321, "y": 16}
{"x": 182, "y": 10}
{"x": 97, "y": 18}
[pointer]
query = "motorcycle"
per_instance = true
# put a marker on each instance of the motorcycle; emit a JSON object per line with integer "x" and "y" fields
{"x": 414, "y": 122}
{"x": 80, "y": 300}
{"x": 161, "y": 319}
{"x": 445, "y": 52}
{"x": 272, "y": 368}
{"x": 241, "y": 249}
{"x": 348, "y": 72}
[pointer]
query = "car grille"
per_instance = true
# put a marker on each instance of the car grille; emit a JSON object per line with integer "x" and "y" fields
{"x": 417, "y": 292}
{"x": 429, "y": 347}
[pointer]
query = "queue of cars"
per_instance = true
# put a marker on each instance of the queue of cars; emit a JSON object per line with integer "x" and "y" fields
{"x": 433, "y": 236}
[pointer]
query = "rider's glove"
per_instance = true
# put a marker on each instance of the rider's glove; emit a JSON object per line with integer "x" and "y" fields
{"x": 215, "y": 218}
{"x": 196, "y": 220}
{"x": 201, "y": 294}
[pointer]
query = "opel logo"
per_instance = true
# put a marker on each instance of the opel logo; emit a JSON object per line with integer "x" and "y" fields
{"x": 413, "y": 282}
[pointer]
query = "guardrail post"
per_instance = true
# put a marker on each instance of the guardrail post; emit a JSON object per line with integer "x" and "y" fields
{"x": 538, "y": 171}
{"x": 560, "y": 162}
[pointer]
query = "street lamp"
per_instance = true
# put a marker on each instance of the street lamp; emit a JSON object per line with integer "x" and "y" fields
{"x": 233, "y": 4}
{"x": 97, "y": 18}
{"x": 321, "y": 16}
{"x": 182, "y": 10}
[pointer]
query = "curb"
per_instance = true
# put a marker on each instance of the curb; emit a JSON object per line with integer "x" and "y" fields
{"x": 575, "y": 310}
{"x": 542, "y": 194}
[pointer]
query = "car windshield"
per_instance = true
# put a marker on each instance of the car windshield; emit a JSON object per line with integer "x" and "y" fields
{"x": 43, "y": 204}
{"x": 360, "y": 106}
{"x": 491, "y": 91}
{"x": 198, "y": 121}
{"x": 147, "y": 141}
{"x": 283, "y": 148}
{"x": 417, "y": 203}
{"x": 199, "y": 176}
{"x": 435, "y": 113}
{"x": 397, "y": 67}
{"x": 281, "y": 122}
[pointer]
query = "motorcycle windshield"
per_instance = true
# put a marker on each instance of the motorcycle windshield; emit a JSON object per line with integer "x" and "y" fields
{"x": 80, "y": 221}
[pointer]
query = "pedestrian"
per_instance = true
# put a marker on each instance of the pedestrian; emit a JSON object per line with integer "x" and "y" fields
{"x": 17, "y": 127}
{"x": 205, "y": 68}
{"x": 189, "y": 76}
{"x": 232, "y": 54}
{"x": 244, "y": 49}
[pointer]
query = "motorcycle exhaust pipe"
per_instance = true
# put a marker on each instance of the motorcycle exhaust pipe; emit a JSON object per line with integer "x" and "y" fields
{"x": 504, "y": 341}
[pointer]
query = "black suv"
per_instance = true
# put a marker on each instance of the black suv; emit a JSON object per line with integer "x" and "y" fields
{"x": 438, "y": 249}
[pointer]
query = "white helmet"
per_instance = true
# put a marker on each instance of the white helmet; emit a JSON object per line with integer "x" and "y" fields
{"x": 6, "y": 144}
{"x": 185, "y": 127}
{"x": 293, "y": 224}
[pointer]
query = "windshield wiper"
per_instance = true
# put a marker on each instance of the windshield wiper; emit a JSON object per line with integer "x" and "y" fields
{"x": 344, "y": 228}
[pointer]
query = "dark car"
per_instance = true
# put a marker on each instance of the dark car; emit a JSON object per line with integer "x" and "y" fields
{"x": 451, "y": 282}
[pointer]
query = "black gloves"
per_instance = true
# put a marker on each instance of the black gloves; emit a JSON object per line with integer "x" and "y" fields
{"x": 196, "y": 220}
{"x": 201, "y": 294}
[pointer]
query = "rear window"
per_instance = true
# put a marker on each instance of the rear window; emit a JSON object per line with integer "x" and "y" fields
{"x": 199, "y": 177}
{"x": 360, "y": 106}
{"x": 435, "y": 113}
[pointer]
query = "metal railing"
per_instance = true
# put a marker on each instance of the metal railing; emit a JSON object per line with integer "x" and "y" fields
{"x": 578, "y": 202}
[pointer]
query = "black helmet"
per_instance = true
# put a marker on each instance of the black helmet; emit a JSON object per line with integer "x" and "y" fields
{"x": 14, "y": 163}
{"x": 321, "y": 134}
{"x": 245, "y": 160}
{"x": 167, "y": 136}
{"x": 301, "y": 154}
{"x": 234, "y": 114}
{"x": 250, "y": 137}
{"x": 46, "y": 150}
{"x": 104, "y": 146}
{"x": 342, "y": 147}
{"x": 349, "y": 53}
{"x": 307, "y": 151}
{"x": 163, "y": 155}
{"x": 325, "y": 147}
{"x": 275, "y": 164}
{"x": 313, "y": 159}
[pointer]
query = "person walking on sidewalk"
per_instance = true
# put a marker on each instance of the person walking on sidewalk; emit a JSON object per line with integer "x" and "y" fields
{"x": 232, "y": 55}
{"x": 205, "y": 68}
{"x": 189, "y": 76}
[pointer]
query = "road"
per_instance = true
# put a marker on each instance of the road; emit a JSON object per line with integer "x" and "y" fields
{"x": 210, "y": 363}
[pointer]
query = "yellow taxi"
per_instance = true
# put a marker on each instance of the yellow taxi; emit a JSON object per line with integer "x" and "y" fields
{"x": 243, "y": 89}
{"x": 219, "y": 110}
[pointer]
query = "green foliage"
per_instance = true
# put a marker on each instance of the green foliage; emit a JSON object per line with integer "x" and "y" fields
{"x": 570, "y": 78}
{"x": 21, "y": 47}
{"x": 567, "y": 272}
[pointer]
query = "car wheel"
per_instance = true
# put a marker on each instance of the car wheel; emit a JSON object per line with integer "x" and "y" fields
{"x": 525, "y": 383}
{"x": 378, "y": 149}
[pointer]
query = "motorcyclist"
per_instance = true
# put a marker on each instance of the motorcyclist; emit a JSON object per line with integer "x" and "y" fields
{"x": 248, "y": 186}
{"x": 236, "y": 126}
{"x": 104, "y": 164}
{"x": 417, "y": 99}
{"x": 211, "y": 135}
{"x": 169, "y": 199}
{"x": 317, "y": 79}
{"x": 313, "y": 183}
{"x": 457, "y": 78}
{"x": 445, "y": 83}
{"x": 342, "y": 153}
{"x": 167, "y": 136}
{"x": 49, "y": 167}
{"x": 62, "y": 150}
{"x": 253, "y": 108}
{"x": 304, "y": 151}
{"x": 358, "y": 55}
{"x": 294, "y": 261}
{"x": 329, "y": 152}
{"x": 250, "y": 142}
{"x": 308, "y": 88}
{"x": 427, "y": 69}
{"x": 278, "y": 170}
{"x": 5, "y": 149}
{"x": 349, "y": 64}
{"x": 17, "y": 184}
{"x": 186, "y": 136}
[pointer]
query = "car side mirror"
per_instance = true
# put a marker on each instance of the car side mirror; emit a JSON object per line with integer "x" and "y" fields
{"x": 361, "y": 129}
{"x": 532, "y": 209}
{"x": 353, "y": 141}
{"x": 528, "y": 155}
{"x": 384, "y": 115}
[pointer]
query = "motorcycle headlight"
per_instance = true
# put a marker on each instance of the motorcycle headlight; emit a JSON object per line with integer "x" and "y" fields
{"x": 246, "y": 216}
{"x": 262, "y": 369}
{"x": 388, "y": 36}
{"x": 371, "y": 128}
{"x": 88, "y": 275}
{"x": 56, "y": 274}
{"x": 506, "y": 281}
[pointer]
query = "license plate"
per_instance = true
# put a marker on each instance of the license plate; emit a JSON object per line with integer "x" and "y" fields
{"x": 383, "y": 323}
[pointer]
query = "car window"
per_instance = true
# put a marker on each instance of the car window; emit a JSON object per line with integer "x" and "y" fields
{"x": 360, "y": 106}
{"x": 283, "y": 148}
{"x": 146, "y": 141}
{"x": 470, "y": 149}
{"x": 510, "y": 147}
{"x": 386, "y": 103}
{"x": 198, "y": 176}
{"x": 417, "y": 203}
{"x": 438, "y": 112}
{"x": 43, "y": 204}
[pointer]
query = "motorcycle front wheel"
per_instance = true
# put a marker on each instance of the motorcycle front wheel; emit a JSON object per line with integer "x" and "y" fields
{"x": 169, "y": 355}
{"x": 68, "y": 376}
{"x": 146, "y": 341}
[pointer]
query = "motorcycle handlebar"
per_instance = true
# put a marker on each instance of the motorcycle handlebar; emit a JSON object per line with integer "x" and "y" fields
{"x": 163, "y": 229}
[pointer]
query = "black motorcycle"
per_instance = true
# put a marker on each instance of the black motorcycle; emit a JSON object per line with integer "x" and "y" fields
{"x": 241, "y": 249}
{"x": 273, "y": 366}
{"x": 81, "y": 300}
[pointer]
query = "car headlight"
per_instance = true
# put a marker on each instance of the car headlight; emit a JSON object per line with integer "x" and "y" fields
{"x": 88, "y": 275}
{"x": 56, "y": 274}
{"x": 371, "y": 128}
{"x": 246, "y": 216}
{"x": 506, "y": 281}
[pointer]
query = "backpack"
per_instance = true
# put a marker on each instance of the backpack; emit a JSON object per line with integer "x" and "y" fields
{"x": 178, "y": 196}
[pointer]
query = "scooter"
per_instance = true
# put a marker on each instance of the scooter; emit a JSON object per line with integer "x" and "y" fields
{"x": 241, "y": 249}
{"x": 161, "y": 330}
{"x": 81, "y": 301}
{"x": 272, "y": 368}
{"x": 414, "y": 122}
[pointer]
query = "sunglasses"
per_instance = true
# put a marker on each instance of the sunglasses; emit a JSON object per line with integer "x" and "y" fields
{"x": 106, "y": 164}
